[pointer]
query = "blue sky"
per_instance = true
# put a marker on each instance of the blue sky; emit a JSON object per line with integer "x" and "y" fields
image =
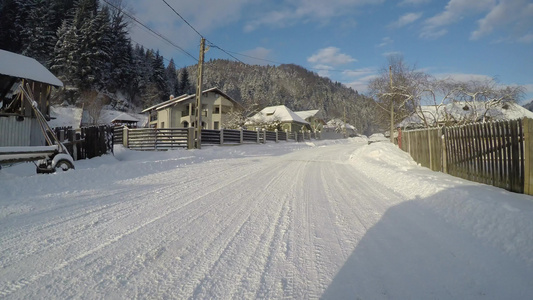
{"x": 349, "y": 40}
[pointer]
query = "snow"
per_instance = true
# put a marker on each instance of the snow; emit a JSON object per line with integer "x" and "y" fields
{"x": 340, "y": 219}
{"x": 74, "y": 117}
{"x": 277, "y": 113}
{"x": 20, "y": 66}
{"x": 456, "y": 111}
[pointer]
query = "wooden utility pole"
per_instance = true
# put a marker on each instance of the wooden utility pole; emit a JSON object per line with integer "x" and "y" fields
{"x": 199, "y": 79}
{"x": 391, "y": 108}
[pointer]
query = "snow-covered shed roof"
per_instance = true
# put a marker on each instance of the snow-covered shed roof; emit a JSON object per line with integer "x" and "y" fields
{"x": 20, "y": 66}
{"x": 124, "y": 117}
{"x": 277, "y": 113}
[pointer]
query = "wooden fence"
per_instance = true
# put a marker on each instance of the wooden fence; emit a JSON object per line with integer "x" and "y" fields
{"x": 172, "y": 138}
{"x": 494, "y": 153}
{"x": 88, "y": 142}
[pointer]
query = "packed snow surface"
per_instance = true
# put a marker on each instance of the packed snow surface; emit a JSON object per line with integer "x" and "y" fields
{"x": 331, "y": 220}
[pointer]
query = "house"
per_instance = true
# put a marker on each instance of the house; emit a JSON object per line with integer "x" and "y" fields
{"x": 277, "y": 117}
{"x": 18, "y": 122}
{"x": 336, "y": 129}
{"x": 461, "y": 112}
{"x": 311, "y": 117}
{"x": 179, "y": 112}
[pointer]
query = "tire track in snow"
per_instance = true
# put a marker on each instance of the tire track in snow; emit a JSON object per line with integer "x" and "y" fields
{"x": 10, "y": 287}
{"x": 254, "y": 222}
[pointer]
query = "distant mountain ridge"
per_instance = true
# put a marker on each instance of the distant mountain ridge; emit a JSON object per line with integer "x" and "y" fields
{"x": 257, "y": 86}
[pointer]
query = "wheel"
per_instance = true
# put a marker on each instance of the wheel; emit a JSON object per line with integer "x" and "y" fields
{"x": 64, "y": 165}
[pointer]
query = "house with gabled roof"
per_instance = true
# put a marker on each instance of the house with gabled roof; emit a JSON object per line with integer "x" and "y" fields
{"x": 179, "y": 112}
{"x": 311, "y": 117}
{"x": 277, "y": 117}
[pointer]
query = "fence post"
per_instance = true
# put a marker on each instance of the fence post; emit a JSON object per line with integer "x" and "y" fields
{"x": 221, "y": 136}
{"x": 264, "y": 136}
{"x": 444, "y": 153}
{"x": 242, "y": 136}
{"x": 257, "y": 130}
{"x": 276, "y": 131}
{"x": 286, "y": 135}
{"x": 190, "y": 137}
{"x": 528, "y": 156}
{"x": 125, "y": 137}
{"x": 296, "y": 136}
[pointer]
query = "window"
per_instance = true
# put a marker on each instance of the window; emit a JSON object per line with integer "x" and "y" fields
{"x": 217, "y": 110}
{"x": 216, "y": 126}
{"x": 162, "y": 124}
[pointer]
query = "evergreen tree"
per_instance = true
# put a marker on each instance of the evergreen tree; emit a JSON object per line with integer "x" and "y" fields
{"x": 121, "y": 56}
{"x": 94, "y": 48}
{"x": 159, "y": 77}
{"x": 14, "y": 14}
{"x": 172, "y": 78}
{"x": 184, "y": 83}
{"x": 39, "y": 34}
{"x": 65, "y": 62}
{"x": 84, "y": 11}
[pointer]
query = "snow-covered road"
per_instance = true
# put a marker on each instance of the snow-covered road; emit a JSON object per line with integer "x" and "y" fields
{"x": 300, "y": 221}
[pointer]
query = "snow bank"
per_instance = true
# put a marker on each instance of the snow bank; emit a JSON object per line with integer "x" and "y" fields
{"x": 493, "y": 215}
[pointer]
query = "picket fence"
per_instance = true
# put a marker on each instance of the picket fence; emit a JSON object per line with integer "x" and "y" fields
{"x": 494, "y": 153}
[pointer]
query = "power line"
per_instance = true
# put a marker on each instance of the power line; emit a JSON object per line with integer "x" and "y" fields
{"x": 211, "y": 44}
{"x": 151, "y": 30}
{"x": 172, "y": 8}
{"x": 229, "y": 53}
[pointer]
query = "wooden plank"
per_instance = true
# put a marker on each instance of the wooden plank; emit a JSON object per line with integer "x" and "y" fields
{"x": 514, "y": 174}
{"x": 528, "y": 155}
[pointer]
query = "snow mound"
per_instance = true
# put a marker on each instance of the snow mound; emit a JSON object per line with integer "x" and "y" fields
{"x": 491, "y": 214}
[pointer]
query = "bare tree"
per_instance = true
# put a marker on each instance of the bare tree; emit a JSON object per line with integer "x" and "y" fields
{"x": 93, "y": 103}
{"x": 398, "y": 91}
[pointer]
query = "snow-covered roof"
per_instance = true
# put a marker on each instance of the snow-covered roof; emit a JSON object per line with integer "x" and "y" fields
{"x": 186, "y": 97}
{"x": 338, "y": 123}
{"x": 277, "y": 113}
{"x": 20, "y": 66}
{"x": 124, "y": 117}
{"x": 74, "y": 117}
{"x": 460, "y": 111}
{"x": 304, "y": 114}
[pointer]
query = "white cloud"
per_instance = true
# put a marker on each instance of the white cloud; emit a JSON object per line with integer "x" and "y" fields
{"x": 392, "y": 53}
{"x": 527, "y": 39}
{"x": 359, "y": 72}
{"x": 385, "y": 41}
{"x": 159, "y": 17}
{"x": 518, "y": 14}
{"x": 262, "y": 54}
{"x": 406, "y": 20}
{"x": 454, "y": 11}
{"x": 463, "y": 77}
{"x": 330, "y": 56}
{"x": 413, "y": 2}
{"x": 295, "y": 11}
{"x": 323, "y": 70}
